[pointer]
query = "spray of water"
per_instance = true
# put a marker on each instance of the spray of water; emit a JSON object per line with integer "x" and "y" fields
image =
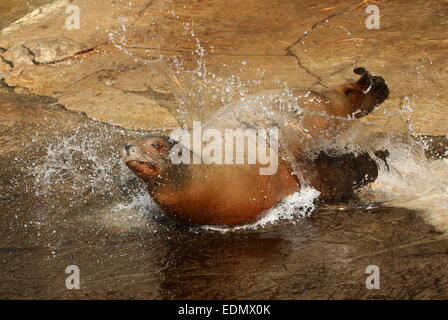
{"x": 406, "y": 179}
{"x": 296, "y": 206}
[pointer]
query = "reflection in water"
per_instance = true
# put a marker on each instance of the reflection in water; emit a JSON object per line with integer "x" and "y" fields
{"x": 215, "y": 266}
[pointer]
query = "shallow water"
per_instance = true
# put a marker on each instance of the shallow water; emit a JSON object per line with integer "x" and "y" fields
{"x": 66, "y": 199}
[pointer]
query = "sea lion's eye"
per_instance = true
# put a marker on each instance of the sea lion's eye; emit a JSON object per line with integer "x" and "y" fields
{"x": 348, "y": 91}
{"x": 158, "y": 146}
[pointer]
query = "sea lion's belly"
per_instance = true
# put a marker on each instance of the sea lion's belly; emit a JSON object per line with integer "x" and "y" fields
{"x": 227, "y": 195}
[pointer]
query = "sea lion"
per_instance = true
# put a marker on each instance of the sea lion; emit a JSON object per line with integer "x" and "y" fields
{"x": 217, "y": 193}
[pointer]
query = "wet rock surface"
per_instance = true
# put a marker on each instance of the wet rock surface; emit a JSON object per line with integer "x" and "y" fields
{"x": 41, "y": 51}
{"x": 120, "y": 108}
{"x": 248, "y": 46}
{"x": 12, "y": 10}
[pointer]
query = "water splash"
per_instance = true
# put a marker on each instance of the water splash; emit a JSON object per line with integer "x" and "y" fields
{"x": 415, "y": 182}
{"x": 82, "y": 162}
{"x": 296, "y": 206}
{"x": 139, "y": 202}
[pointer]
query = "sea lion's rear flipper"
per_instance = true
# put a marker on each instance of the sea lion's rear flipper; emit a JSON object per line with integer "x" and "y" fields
{"x": 337, "y": 177}
{"x": 365, "y": 94}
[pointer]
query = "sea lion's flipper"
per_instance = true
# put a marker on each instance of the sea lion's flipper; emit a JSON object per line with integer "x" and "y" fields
{"x": 337, "y": 177}
{"x": 365, "y": 94}
{"x": 371, "y": 84}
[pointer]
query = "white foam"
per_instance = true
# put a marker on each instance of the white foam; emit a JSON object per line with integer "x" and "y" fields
{"x": 415, "y": 183}
{"x": 140, "y": 202}
{"x": 296, "y": 206}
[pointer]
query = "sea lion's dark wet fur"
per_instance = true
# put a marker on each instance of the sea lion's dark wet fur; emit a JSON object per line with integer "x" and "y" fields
{"x": 234, "y": 195}
{"x": 339, "y": 176}
{"x": 368, "y": 82}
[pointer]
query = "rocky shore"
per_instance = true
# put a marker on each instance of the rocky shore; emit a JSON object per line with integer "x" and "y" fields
{"x": 131, "y": 63}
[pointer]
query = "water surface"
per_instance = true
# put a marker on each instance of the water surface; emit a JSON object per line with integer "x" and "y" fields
{"x": 66, "y": 199}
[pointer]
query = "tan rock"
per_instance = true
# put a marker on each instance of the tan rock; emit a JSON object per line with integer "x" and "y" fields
{"x": 119, "y": 108}
{"x": 4, "y": 68}
{"x": 41, "y": 51}
{"x": 242, "y": 48}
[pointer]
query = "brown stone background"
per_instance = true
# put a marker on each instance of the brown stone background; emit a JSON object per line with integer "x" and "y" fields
{"x": 251, "y": 45}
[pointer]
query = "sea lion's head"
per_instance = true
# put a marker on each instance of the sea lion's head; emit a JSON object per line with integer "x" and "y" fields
{"x": 149, "y": 158}
{"x": 365, "y": 94}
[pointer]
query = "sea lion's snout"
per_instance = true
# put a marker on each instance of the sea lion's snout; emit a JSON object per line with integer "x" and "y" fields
{"x": 127, "y": 148}
{"x": 131, "y": 152}
{"x": 148, "y": 157}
